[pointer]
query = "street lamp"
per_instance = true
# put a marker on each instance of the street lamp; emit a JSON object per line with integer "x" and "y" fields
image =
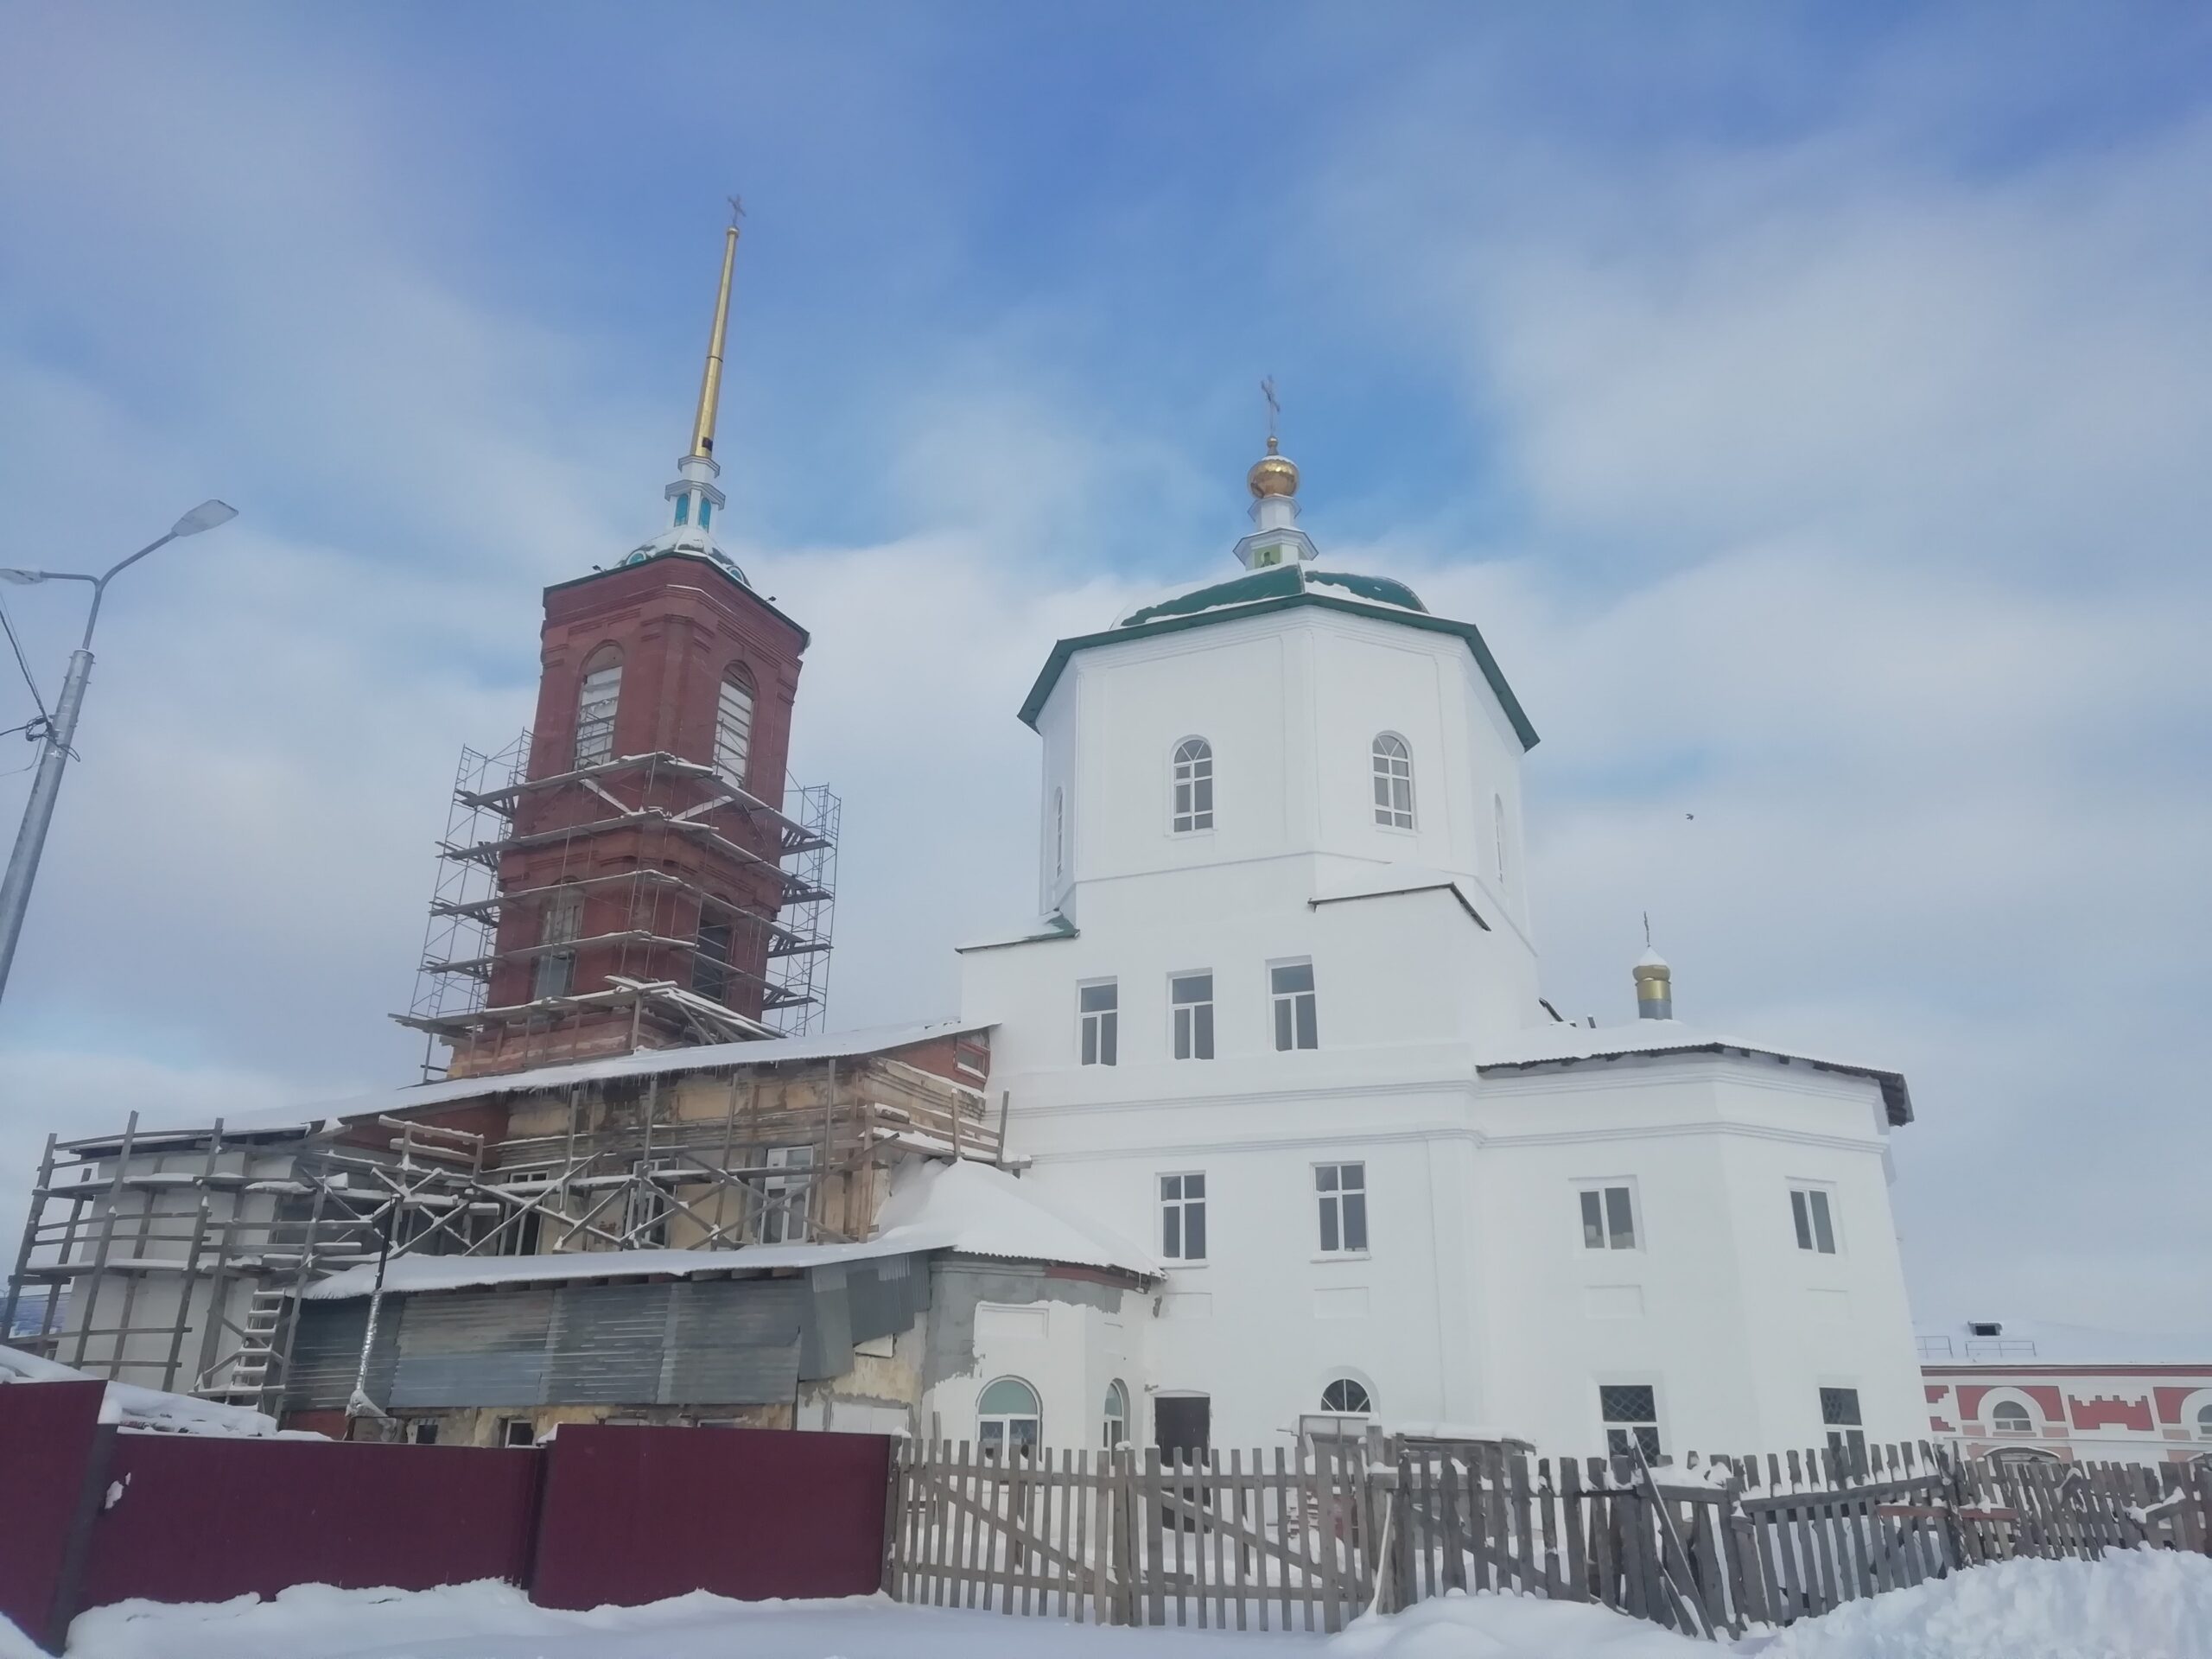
{"x": 55, "y": 731}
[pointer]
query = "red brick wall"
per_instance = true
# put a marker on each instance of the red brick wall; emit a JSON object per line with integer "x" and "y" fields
{"x": 681, "y": 624}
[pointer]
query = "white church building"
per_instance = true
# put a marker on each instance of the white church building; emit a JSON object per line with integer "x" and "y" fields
{"x": 1283, "y": 1022}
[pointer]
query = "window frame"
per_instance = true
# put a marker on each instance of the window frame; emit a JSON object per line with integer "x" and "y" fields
{"x": 1114, "y": 1414}
{"x": 1634, "y": 1428}
{"x": 594, "y": 733}
{"x": 1098, "y": 1031}
{"x": 1332, "y": 1203}
{"x": 1813, "y": 1212}
{"x": 712, "y": 974}
{"x": 1601, "y": 1187}
{"x": 1005, "y": 1420}
{"x": 1191, "y": 814}
{"x": 2027, "y": 1425}
{"x": 735, "y": 678}
{"x": 1180, "y": 1203}
{"x": 1284, "y": 1012}
{"x": 1847, "y": 1435}
{"x": 509, "y": 1425}
{"x": 790, "y": 1173}
{"x": 1386, "y": 772}
{"x": 1201, "y": 1034}
{"x": 563, "y": 908}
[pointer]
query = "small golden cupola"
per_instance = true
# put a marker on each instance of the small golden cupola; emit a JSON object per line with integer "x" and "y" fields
{"x": 1275, "y": 537}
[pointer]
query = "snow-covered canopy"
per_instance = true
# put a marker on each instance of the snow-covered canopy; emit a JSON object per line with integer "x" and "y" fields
{"x": 772, "y": 1051}
{"x": 150, "y": 1410}
{"x": 967, "y": 1208}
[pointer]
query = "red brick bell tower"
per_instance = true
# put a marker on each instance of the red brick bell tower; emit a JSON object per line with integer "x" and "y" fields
{"x": 637, "y": 882}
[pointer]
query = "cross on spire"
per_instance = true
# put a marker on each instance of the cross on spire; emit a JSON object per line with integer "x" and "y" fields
{"x": 1274, "y": 408}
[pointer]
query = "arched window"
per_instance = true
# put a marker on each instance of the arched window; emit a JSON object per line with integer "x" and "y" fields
{"x": 1006, "y": 1418}
{"x": 1497, "y": 833}
{"x": 1394, "y": 782}
{"x": 733, "y": 727}
{"x": 2011, "y": 1417}
{"x": 2204, "y": 1423}
{"x": 1193, "y": 775}
{"x": 1114, "y": 1423}
{"x": 1347, "y": 1396}
{"x": 596, "y": 699}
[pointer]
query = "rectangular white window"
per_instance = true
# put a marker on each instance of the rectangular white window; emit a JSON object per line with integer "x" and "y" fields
{"x": 784, "y": 1194}
{"x": 595, "y": 703}
{"x": 1183, "y": 1218}
{"x": 1291, "y": 985}
{"x": 1342, "y": 1190}
{"x": 1608, "y": 1218}
{"x": 1098, "y": 1008}
{"x": 734, "y": 731}
{"x": 1631, "y": 1415}
{"x": 560, "y": 922}
{"x": 1190, "y": 998}
{"x": 1808, "y": 1210}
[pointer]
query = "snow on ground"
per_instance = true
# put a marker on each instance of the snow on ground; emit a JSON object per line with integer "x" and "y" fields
{"x": 2134, "y": 1604}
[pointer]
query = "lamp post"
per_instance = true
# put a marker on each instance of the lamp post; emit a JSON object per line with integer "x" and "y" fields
{"x": 57, "y": 730}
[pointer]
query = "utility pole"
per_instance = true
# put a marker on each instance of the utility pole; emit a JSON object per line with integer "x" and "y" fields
{"x": 58, "y": 730}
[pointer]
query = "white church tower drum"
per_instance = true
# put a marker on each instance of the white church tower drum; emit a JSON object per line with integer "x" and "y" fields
{"x": 1280, "y": 1019}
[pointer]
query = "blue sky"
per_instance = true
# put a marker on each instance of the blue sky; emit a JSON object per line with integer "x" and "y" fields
{"x": 1809, "y": 402}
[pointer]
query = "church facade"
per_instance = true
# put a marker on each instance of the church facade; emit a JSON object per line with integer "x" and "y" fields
{"x": 1281, "y": 1022}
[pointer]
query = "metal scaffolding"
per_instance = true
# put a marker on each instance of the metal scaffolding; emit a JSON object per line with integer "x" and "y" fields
{"x": 774, "y": 954}
{"x": 175, "y": 1259}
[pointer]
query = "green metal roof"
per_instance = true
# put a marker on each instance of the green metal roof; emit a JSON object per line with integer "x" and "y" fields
{"x": 1261, "y": 592}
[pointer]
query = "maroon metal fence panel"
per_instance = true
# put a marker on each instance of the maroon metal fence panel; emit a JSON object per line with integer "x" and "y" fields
{"x": 204, "y": 1520}
{"x": 49, "y": 1432}
{"x": 635, "y": 1515}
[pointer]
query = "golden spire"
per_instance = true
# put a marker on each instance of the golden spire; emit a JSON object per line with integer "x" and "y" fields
{"x": 710, "y": 384}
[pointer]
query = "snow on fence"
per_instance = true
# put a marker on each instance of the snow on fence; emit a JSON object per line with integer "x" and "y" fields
{"x": 1309, "y": 1539}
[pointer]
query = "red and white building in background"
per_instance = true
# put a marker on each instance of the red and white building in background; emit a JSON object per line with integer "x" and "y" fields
{"x": 2067, "y": 1393}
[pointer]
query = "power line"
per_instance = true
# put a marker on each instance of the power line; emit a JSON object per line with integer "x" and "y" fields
{"x": 20, "y": 661}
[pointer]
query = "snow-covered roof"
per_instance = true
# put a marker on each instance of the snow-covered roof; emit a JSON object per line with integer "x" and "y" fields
{"x": 1276, "y": 588}
{"x": 654, "y": 1062}
{"x": 968, "y": 1208}
{"x": 2047, "y": 1341}
{"x": 151, "y": 1410}
{"x": 1565, "y": 1045}
{"x": 1055, "y": 926}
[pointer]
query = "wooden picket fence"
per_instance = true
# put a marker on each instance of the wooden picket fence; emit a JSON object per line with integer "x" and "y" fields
{"x": 1309, "y": 1539}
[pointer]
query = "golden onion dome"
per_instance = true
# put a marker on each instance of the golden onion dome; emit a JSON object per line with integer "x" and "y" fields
{"x": 1272, "y": 475}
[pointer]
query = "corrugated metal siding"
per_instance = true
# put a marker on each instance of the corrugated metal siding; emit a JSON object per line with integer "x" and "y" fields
{"x": 734, "y": 1344}
{"x": 327, "y": 1355}
{"x": 719, "y": 1342}
{"x": 608, "y": 1343}
{"x": 473, "y": 1348}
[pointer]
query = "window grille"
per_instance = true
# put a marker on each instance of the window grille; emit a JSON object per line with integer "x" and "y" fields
{"x": 1342, "y": 1192}
{"x": 734, "y": 730}
{"x": 1193, "y": 776}
{"x": 1608, "y": 1218}
{"x": 1190, "y": 998}
{"x": 1099, "y": 1015}
{"x": 1631, "y": 1415}
{"x": 1394, "y": 782}
{"x": 596, "y": 702}
{"x": 1183, "y": 1218}
{"x": 1291, "y": 985}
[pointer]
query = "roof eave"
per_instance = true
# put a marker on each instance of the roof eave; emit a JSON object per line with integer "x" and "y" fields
{"x": 1064, "y": 651}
